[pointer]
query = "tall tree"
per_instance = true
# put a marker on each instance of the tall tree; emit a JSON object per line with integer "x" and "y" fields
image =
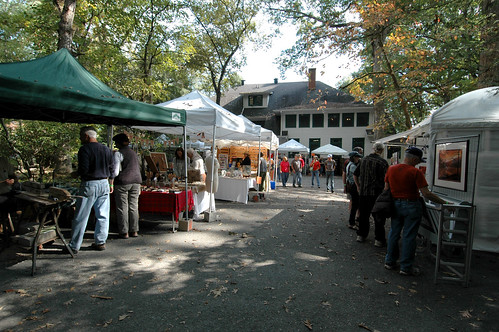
{"x": 489, "y": 58}
{"x": 416, "y": 55}
{"x": 221, "y": 29}
{"x": 67, "y": 9}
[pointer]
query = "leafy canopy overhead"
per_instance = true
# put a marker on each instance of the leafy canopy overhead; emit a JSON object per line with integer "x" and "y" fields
{"x": 416, "y": 55}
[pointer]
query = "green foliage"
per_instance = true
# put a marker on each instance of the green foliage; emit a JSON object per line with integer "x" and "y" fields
{"x": 39, "y": 145}
{"x": 222, "y": 28}
{"x": 416, "y": 55}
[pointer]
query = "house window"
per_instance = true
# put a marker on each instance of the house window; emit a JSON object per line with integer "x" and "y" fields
{"x": 290, "y": 120}
{"x": 333, "y": 120}
{"x": 347, "y": 119}
{"x": 336, "y": 142}
{"x": 296, "y": 139}
{"x": 256, "y": 100}
{"x": 314, "y": 143}
{"x": 363, "y": 119}
{"x": 318, "y": 120}
{"x": 359, "y": 141}
{"x": 304, "y": 121}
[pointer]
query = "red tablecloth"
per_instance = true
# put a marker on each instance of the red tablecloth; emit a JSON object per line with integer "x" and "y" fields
{"x": 158, "y": 202}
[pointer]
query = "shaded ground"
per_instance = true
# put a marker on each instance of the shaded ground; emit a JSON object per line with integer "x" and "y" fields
{"x": 288, "y": 263}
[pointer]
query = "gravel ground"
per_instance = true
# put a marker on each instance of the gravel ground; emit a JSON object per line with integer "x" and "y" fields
{"x": 288, "y": 263}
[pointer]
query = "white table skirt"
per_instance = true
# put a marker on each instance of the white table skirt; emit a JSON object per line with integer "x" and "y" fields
{"x": 234, "y": 189}
{"x": 202, "y": 203}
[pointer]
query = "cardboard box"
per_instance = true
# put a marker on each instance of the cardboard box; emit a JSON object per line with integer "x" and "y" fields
{"x": 185, "y": 225}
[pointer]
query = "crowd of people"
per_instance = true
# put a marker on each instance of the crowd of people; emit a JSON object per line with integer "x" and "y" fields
{"x": 365, "y": 178}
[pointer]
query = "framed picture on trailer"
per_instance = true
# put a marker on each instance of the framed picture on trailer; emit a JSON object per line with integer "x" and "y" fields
{"x": 451, "y": 165}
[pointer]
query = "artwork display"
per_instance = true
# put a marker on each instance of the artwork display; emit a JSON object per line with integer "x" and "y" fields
{"x": 451, "y": 165}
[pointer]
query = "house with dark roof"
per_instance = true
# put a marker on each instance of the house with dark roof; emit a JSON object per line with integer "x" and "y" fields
{"x": 310, "y": 112}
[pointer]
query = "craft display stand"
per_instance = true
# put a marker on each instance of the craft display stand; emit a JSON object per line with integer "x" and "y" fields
{"x": 46, "y": 210}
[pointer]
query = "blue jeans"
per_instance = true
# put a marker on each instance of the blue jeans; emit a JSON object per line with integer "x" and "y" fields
{"x": 284, "y": 178}
{"x": 330, "y": 180}
{"x": 297, "y": 178}
{"x": 406, "y": 221}
{"x": 315, "y": 174}
{"x": 94, "y": 194}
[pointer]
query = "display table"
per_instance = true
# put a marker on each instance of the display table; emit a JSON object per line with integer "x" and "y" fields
{"x": 234, "y": 189}
{"x": 165, "y": 202}
{"x": 202, "y": 203}
{"x": 46, "y": 210}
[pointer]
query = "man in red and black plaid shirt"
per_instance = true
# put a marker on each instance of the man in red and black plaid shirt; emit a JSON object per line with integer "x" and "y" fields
{"x": 370, "y": 180}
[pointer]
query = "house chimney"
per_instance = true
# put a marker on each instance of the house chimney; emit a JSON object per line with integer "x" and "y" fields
{"x": 311, "y": 79}
{"x": 242, "y": 82}
{"x": 275, "y": 81}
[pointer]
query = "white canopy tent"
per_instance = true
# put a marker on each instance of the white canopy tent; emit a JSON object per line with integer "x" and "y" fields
{"x": 293, "y": 146}
{"x": 404, "y": 138}
{"x": 471, "y": 122}
{"x": 330, "y": 149}
{"x": 207, "y": 120}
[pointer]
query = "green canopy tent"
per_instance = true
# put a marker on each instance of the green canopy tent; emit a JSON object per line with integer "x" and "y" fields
{"x": 57, "y": 88}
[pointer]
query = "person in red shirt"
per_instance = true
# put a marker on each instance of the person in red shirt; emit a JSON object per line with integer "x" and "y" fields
{"x": 284, "y": 171}
{"x": 315, "y": 167}
{"x": 405, "y": 182}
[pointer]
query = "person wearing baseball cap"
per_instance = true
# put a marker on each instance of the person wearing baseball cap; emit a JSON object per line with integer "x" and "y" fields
{"x": 405, "y": 183}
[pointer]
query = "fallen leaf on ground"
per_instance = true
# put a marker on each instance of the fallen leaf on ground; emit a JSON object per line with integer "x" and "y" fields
{"x": 93, "y": 276}
{"x": 22, "y": 292}
{"x": 364, "y": 326}
{"x": 393, "y": 293}
{"x": 381, "y": 281}
{"x": 413, "y": 291}
{"x": 101, "y": 297}
{"x": 290, "y": 298}
{"x": 121, "y": 317}
{"x": 326, "y": 303}
{"x": 308, "y": 324}
{"x": 488, "y": 298}
{"x": 218, "y": 291}
{"x": 397, "y": 303}
{"x": 466, "y": 313}
{"x": 69, "y": 302}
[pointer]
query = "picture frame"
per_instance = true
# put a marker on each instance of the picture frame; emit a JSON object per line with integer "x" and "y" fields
{"x": 451, "y": 163}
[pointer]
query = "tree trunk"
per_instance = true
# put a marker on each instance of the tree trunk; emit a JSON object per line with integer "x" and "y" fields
{"x": 379, "y": 105}
{"x": 489, "y": 58}
{"x": 66, "y": 26}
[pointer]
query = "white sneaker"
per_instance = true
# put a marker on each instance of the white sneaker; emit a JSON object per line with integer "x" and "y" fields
{"x": 360, "y": 238}
{"x": 378, "y": 244}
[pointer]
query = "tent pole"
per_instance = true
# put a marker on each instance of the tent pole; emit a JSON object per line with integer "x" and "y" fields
{"x": 110, "y": 136}
{"x": 258, "y": 170}
{"x": 212, "y": 166}
{"x": 185, "y": 174}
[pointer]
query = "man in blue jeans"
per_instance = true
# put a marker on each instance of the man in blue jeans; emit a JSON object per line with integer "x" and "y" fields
{"x": 330, "y": 166}
{"x": 95, "y": 168}
{"x": 296, "y": 168}
{"x": 405, "y": 182}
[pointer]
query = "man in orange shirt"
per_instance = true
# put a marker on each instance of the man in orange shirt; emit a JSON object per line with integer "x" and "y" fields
{"x": 405, "y": 182}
